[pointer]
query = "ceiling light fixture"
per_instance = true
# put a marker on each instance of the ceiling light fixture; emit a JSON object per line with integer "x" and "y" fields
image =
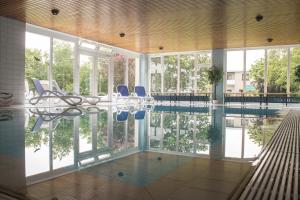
{"x": 269, "y": 40}
{"x": 55, "y": 11}
{"x": 122, "y": 34}
{"x": 259, "y": 17}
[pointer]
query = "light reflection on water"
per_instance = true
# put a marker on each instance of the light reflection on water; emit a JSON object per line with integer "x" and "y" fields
{"x": 56, "y": 144}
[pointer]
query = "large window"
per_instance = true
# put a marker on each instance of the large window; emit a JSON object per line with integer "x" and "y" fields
{"x": 187, "y": 73}
{"x": 37, "y": 53}
{"x": 103, "y": 66}
{"x": 203, "y": 62}
{"x": 170, "y": 74}
{"x": 235, "y": 71}
{"x": 294, "y": 61}
{"x": 277, "y": 70}
{"x": 255, "y": 70}
{"x": 119, "y": 70}
{"x": 155, "y": 74}
{"x": 263, "y": 70}
{"x": 86, "y": 74}
{"x": 75, "y": 65}
{"x": 131, "y": 74}
{"x": 184, "y": 72}
{"x": 63, "y": 61}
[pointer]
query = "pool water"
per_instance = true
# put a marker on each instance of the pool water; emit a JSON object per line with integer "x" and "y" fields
{"x": 39, "y": 144}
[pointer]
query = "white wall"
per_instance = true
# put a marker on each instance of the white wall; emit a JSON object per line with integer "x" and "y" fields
{"x": 12, "y": 58}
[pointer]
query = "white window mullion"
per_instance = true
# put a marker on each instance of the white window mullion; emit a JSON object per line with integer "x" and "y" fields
{"x": 50, "y": 64}
{"x": 126, "y": 71}
{"x": 244, "y": 71}
{"x": 162, "y": 74}
{"x": 197, "y": 68}
{"x": 288, "y": 81}
{"x": 76, "y": 69}
{"x": 95, "y": 77}
{"x": 266, "y": 73}
{"x": 111, "y": 78}
{"x": 178, "y": 73}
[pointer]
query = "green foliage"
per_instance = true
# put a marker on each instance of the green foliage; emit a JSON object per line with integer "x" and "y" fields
{"x": 119, "y": 71}
{"x": 35, "y": 139}
{"x": 170, "y": 74}
{"x": 277, "y": 71}
{"x": 103, "y": 77}
{"x": 62, "y": 139}
{"x": 297, "y": 73}
{"x": 63, "y": 65}
{"x": 189, "y": 127}
{"x": 261, "y": 130}
{"x": 85, "y": 76}
{"x": 256, "y": 75}
{"x": 36, "y": 65}
{"x": 214, "y": 134}
{"x": 214, "y": 75}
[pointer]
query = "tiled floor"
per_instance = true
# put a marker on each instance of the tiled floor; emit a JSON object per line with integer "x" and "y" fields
{"x": 146, "y": 176}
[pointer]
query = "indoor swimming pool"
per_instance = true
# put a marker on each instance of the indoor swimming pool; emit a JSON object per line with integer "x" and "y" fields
{"x": 139, "y": 147}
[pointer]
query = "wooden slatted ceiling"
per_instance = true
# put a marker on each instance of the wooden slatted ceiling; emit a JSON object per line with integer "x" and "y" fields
{"x": 178, "y": 25}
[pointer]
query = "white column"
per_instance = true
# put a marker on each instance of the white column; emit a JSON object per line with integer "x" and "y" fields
{"x": 218, "y": 60}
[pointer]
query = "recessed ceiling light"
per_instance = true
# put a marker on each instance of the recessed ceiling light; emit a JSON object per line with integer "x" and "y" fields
{"x": 259, "y": 17}
{"x": 122, "y": 34}
{"x": 269, "y": 40}
{"x": 55, "y": 11}
{"x": 161, "y": 48}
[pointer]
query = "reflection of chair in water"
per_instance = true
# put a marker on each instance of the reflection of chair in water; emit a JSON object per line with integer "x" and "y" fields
{"x": 92, "y": 100}
{"x": 6, "y": 115}
{"x": 6, "y": 99}
{"x": 122, "y": 116}
{"x": 69, "y": 113}
{"x": 47, "y": 94}
{"x": 45, "y": 116}
{"x": 139, "y": 115}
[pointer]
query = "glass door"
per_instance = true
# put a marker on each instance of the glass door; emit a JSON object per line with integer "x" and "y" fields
{"x": 102, "y": 76}
{"x": 86, "y": 75}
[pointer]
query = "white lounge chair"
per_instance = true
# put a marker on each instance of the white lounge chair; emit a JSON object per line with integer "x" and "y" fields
{"x": 48, "y": 94}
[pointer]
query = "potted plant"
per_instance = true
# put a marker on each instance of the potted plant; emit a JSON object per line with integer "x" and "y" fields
{"x": 214, "y": 76}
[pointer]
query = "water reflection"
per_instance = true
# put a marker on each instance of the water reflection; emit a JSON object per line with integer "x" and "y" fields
{"x": 219, "y": 134}
{"x": 61, "y": 140}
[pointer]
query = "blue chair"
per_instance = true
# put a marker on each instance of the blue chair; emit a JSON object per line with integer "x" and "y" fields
{"x": 141, "y": 93}
{"x": 123, "y": 94}
{"x": 48, "y": 94}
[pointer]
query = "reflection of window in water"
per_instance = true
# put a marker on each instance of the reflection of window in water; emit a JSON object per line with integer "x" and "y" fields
{"x": 241, "y": 135}
{"x": 230, "y": 75}
{"x": 230, "y": 122}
